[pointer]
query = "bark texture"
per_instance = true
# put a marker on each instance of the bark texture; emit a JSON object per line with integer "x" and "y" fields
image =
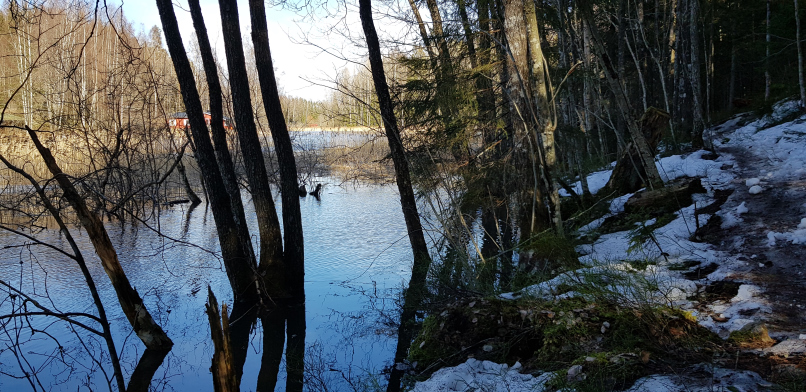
{"x": 224, "y": 379}
{"x": 294, "y": 250}
{"x": 271, "y": 242}
{"x": 422, "y": 260}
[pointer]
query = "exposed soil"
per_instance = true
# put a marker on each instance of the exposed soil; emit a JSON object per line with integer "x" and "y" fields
{"x": 778, "y": 269}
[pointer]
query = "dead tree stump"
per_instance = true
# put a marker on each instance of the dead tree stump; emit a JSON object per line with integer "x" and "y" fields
{"x": 629, "y": 174}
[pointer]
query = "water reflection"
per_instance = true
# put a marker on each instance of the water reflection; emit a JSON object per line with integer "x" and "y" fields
{"x": 355, "y": 251}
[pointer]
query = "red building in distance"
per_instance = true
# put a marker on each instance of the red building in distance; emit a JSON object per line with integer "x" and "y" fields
{"x": 179, "y": 120}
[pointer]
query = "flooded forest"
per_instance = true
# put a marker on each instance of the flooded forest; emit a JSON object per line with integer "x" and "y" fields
{"x": 172, "y": 219}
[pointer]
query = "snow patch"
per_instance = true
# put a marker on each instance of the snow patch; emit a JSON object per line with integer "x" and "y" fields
{"x": 475, "y": 375}
{"x": 797, "y": 237}
{"x": 752, "y": 181}
{"x": 719, "y": 380}
{"x": 741, "y": 209}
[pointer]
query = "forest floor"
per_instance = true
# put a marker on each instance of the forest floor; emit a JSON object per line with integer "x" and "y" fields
{"x": 732, "y": 262}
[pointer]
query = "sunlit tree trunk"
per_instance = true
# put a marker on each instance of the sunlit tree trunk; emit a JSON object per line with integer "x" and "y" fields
{"x": 546, "y": 121}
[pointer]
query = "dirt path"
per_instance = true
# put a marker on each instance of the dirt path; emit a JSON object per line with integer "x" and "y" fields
{"x": 778, "y": 269}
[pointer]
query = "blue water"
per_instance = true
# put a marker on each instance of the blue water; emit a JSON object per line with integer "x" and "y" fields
{"x": 357, "y": 256}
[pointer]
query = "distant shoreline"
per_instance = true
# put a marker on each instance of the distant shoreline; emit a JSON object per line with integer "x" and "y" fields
{"x": 333, "y": 129}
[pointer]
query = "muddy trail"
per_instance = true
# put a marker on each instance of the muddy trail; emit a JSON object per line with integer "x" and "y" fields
{"x": 777, "y": 268}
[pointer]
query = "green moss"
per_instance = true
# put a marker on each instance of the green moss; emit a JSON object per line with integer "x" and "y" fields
{"x": 614, "y": 345}
{"x": 753, "y": 335}
{"x": 548, "y": 256}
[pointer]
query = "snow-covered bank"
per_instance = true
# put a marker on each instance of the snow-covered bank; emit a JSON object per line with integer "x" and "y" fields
{"x": 672, "y": 268}
{"x": 486, "y": 376}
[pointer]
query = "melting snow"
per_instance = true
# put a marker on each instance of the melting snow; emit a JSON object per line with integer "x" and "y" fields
{"x": 475, "y": 375}
{"x": 606, "y": 260}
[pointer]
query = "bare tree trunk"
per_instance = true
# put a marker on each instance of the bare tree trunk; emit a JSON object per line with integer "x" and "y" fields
{"x": 653, "y": 179}
{"x": 422, "y": 259}
{"x": 698, "y": 123}
{"x": 194, "y": 199}
{"x": 800, "y": 57}
{"x": 240, "y": 265}
{"x": 546, "y": 121}
{"x": 238, "y": 258}
{"x": 149, "y": 332}
{"x": 767, "y": 77}
{"x": 224, "y": 379}
{"x": 423, "y": 34}
{"x": 271, "y": 241}
{"x": 733, "y": 64}
{"x": 223, "y": 156}
{"x": 294, "y": 251}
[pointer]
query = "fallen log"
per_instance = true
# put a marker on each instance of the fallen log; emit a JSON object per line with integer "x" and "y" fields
{"x": 665, "y": 200}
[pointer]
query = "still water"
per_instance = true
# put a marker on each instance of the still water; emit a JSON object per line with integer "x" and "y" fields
{"x": 356, "y": 258}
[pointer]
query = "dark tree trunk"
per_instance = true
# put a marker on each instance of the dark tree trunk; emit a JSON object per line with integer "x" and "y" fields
{"x": 238, "y": 258}
{"x": 292, "y": 219}
{"x": 271, "y": 245}
{"x": 219, "y": 134}
{"x": 484, "y": 84}
{"x": 294, "y": 251}
{"x": 629, "y": 175}
{"x": 194, "y": 199}
{"x": 422, "y": 259}
{"x": 653, "y": 179}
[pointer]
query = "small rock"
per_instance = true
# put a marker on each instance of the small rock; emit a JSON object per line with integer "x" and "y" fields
{"x": 574, "y": 372}
{"x": 487, "y": 348}
{"x": 802, "y": 336}
{"x": 720, "y": 318}
{"x": 755, "y": 189}
{"x": 590, "y": 359}
{"x": 472, "y": 304}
